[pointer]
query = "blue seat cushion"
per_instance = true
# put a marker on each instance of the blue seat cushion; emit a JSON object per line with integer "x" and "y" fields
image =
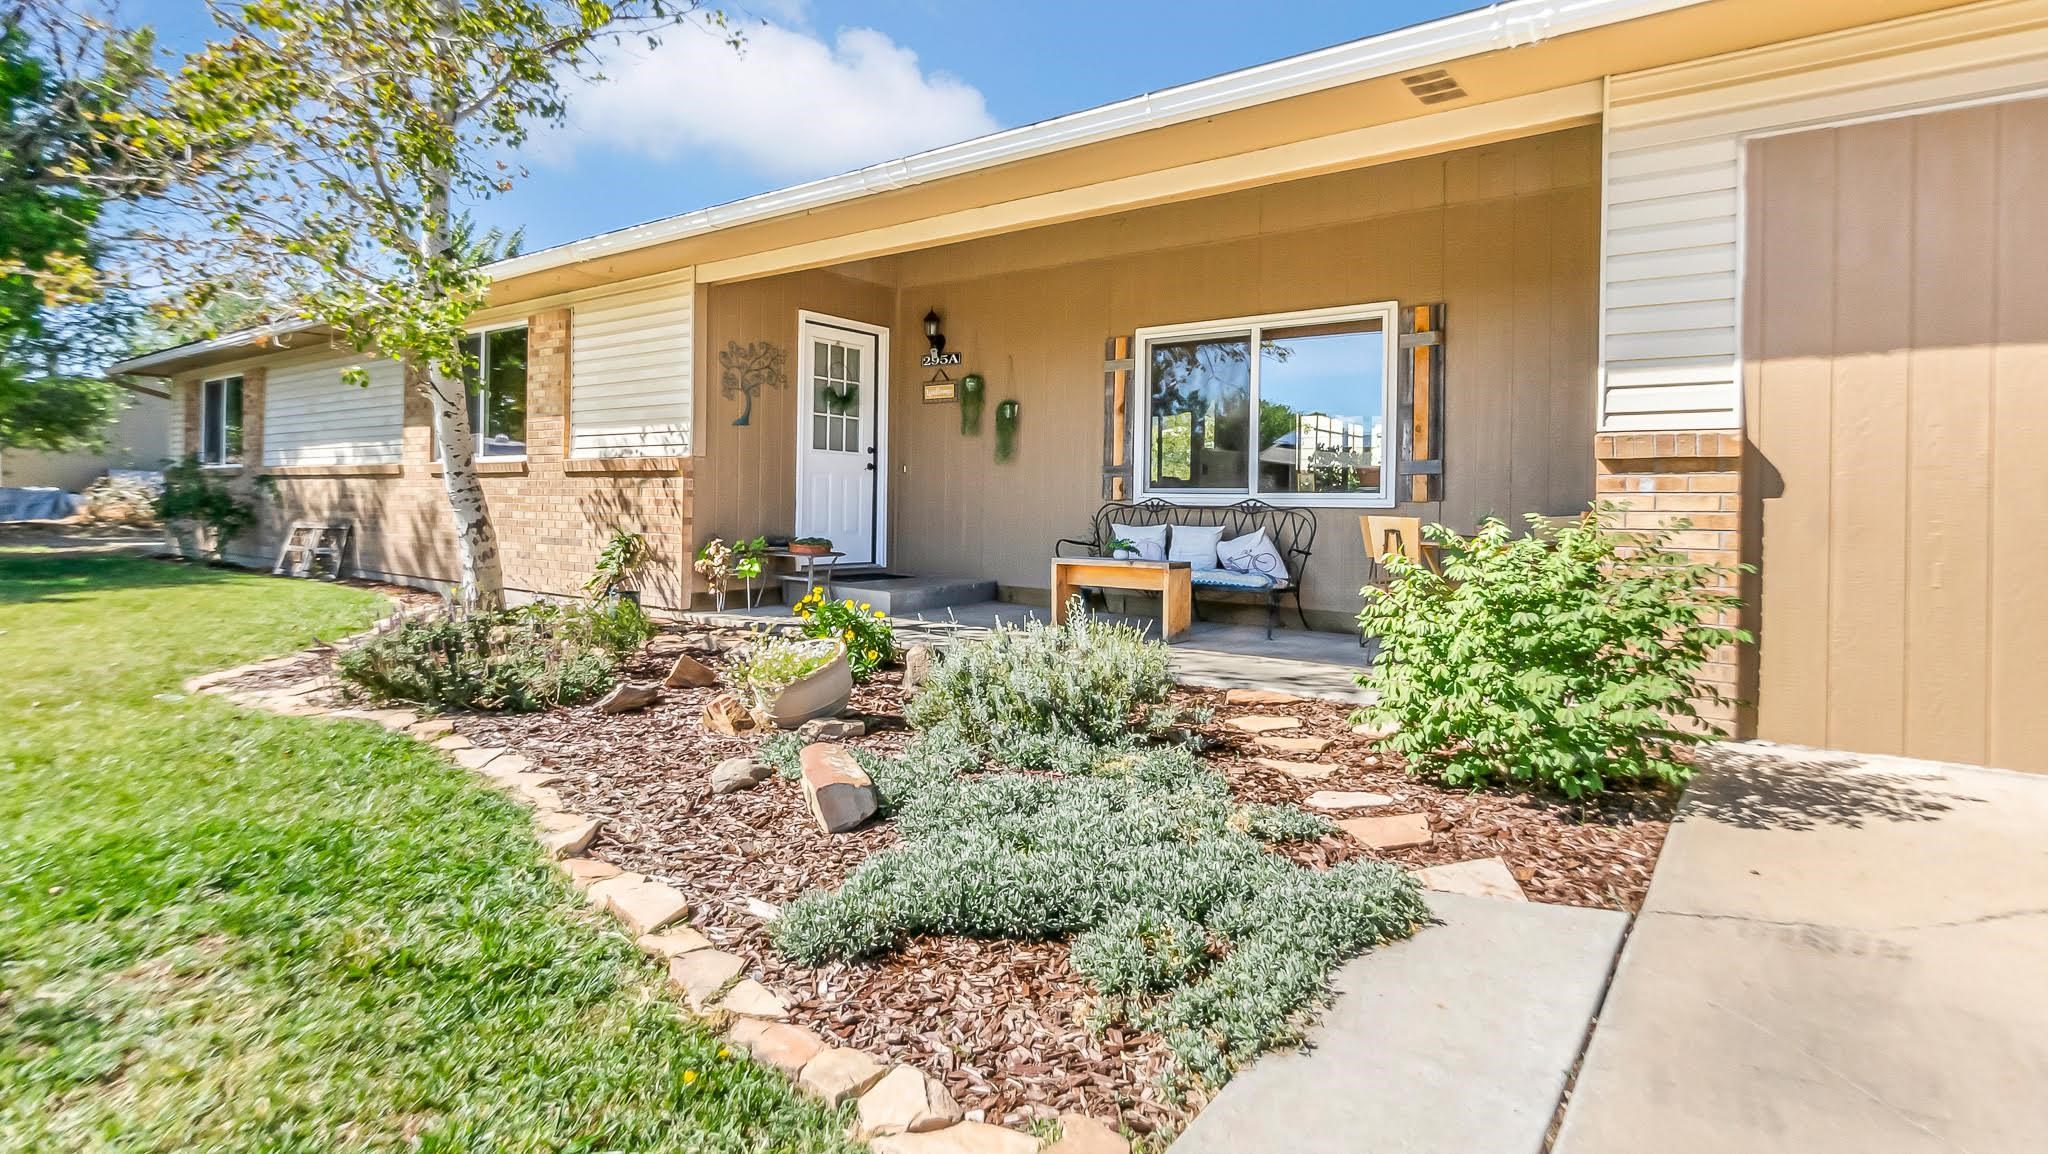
{"x": 1229, "y": 579}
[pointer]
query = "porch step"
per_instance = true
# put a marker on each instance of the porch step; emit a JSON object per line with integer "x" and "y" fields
{"x": 899, "y": 594}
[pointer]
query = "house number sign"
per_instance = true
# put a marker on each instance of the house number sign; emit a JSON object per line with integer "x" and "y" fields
{"x": 934, "y": 359}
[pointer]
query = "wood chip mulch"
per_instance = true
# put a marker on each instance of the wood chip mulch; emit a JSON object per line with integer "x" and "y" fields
{"x": 1000, "y": 1021}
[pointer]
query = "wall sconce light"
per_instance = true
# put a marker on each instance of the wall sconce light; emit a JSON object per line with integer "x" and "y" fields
{"x": 932, "y": 333}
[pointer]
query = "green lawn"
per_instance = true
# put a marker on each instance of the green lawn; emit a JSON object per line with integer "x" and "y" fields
{"x": 225, "y": 931}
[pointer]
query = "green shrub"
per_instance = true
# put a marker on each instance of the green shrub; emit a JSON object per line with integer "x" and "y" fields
{"x": 1042, "y": 695}
{"x": 870, "y": 639}
{"x": 1562, "y": 664}
{"x": 1148, "y": 858}
{"x": 194, "y": 495}
{"x": 512, "y": 661}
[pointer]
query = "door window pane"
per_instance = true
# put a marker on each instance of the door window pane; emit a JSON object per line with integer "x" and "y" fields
{"x": 1322, "y": 419}
{"x": 1200, "y": 413}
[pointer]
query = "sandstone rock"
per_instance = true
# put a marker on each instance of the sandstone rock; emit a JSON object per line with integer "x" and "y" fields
{"x": 1328, "y": 800}
{"x": 838, "y": 1073}
{"x": 1298, "y": 746}
{"x": 585, "y": 872}
{"x": 645, "y": 906}
{"x": 751, "y": 999}
{"x": 689, "y": 673}
{"x": 1377, "y": 732}
{"x": 786, "y": 1048}
{"x": 477, "y": 757}
{"x": 838, "y": 790}
{"x": 738, "y": 773}
{"x": 432, "y": 728}
{"x": 671, "y": 943}
{"x": 832, "y": 729}
{"x": 766, "y": 911}
{"x": 700, "y": 974}
{"x": 628, "y": 696}
{"x": 1486, "y": 877}
{"x": 1304, "y": 770}
{"x": 453, "y": 742}
{"x": 1394, "y": 831}
{"x": 1256, "y": 697}
{"x": 1262, "y": 723}
{"x": 1080, "y": 1134}
{"x": 565, "y": 834}
{"x": 963, "y": 1138}
{"x": 905, "y": 1101}
{"x": 537, "y": 796}
{"x": 728, "y": 716}
{"x": 917, "y": 666}
{"x": 602, "y": 889}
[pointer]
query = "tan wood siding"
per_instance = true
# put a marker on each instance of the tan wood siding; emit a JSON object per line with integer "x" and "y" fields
{"x": 1898, "y": 397}
{"x": 1506, "y": 235}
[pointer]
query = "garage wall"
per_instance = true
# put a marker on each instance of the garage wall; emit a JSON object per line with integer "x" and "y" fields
{"x": 1673, "y": 167}
{"x": 1898, "y": 397}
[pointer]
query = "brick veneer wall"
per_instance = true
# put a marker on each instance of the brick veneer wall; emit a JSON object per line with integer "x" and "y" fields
{"x": 553, "y": 515}
{"x": 1650, "y": 481}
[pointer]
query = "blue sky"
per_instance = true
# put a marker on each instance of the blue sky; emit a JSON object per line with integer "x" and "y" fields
{"x": 824, "y": 86}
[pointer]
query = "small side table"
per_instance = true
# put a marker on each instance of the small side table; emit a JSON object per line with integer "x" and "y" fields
{"x": 1172, "y": 580}
{"x": 809, "y": 565}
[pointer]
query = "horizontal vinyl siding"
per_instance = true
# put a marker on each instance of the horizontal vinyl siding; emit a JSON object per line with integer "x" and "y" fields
{"x": 1672, "y": 177}
{"x": 629, "y": 376}
{"x": 313, "y": 417}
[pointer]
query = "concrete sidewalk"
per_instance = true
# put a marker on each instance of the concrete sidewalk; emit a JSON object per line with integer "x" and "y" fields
{"x": 1456, "y": 1041}
{"x": 1838, "y": 953}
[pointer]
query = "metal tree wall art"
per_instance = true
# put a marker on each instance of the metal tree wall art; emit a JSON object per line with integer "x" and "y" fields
{"x": 743, "y": 369}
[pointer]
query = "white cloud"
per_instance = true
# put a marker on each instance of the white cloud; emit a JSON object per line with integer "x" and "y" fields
{"x": 787, "y": 105}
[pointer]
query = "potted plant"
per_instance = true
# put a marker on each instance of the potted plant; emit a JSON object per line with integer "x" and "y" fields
{"x": 622, "y": 560}
{"x": 794, "y": 679}
{"x": 1120, "y": 548}
{"x": 810, "y": 546}
{"x": 200, "y": 512}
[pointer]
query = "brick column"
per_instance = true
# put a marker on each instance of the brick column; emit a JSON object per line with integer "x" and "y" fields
{"x": 186, "y": 395}
{"x": 1652, "y": 480}
{"x": 253, "y": 391}
{"x": 547, "y": 385}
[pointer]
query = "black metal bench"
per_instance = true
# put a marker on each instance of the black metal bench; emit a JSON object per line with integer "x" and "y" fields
{"x": 1292, "y": 531}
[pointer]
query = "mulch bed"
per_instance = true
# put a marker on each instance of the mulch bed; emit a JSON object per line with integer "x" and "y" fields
{"x": 999, "y": 1021}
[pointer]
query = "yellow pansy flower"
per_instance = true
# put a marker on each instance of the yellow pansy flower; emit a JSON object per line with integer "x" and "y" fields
{"x": 689, "y": 1076}
{"x": 723, "y": 1052}
{"x": 871, "y": 655}
{"x": 864, "y": 607}
{"x": 881, "y": 616}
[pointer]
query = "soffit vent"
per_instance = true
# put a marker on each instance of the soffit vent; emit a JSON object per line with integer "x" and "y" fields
{"x": 1433, "y": 87}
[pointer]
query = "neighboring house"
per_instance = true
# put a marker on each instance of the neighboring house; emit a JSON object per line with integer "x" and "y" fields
{"x": 1778, "y": 268}
{"x": 137, "y": 438}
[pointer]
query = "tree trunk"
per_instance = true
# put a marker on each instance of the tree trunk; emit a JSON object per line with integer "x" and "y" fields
{"x": 476, "y": 540}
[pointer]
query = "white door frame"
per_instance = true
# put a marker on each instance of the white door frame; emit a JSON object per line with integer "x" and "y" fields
{"x": 881, "y": 417}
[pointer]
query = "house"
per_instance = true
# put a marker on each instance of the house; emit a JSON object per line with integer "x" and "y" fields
{"x": 137, "y": 438}
{"x": 1780, "y": 269}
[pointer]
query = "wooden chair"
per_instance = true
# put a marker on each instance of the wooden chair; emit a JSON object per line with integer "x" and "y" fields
{"x": 1402, "y": 535}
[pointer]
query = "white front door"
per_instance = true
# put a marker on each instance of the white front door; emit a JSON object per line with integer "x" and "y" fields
{"x": 841, "y": 434}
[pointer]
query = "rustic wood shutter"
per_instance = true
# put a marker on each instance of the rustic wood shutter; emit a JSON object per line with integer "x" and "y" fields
{"x": 1420, "y": 469}
{"x": 1117, "y": 366}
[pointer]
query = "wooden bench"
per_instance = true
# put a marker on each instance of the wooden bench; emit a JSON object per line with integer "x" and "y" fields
{"x": 1169, "y": 579}
{"x": 1292, "y": 531}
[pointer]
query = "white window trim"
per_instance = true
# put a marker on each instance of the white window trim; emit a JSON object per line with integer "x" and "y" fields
{"x": 212, "y": 404}
{"x": 484, "y": 331}
{"x": 1386, "y": 312}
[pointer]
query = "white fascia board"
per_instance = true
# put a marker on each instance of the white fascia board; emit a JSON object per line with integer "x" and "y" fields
{"x": 1498, "y": 26}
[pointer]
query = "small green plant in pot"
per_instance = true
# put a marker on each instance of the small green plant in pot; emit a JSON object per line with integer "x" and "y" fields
{"x": 794, "y": 679}
{"x": 201, "y": 510}
{"x": 1562, "y": 664}
{"x": 810, "y": 546}
{"x": 721, "y": 564}
{"x": 621, "y": 562}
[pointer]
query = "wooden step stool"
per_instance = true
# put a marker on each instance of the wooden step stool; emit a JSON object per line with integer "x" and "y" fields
{"x": 311, "y": 544}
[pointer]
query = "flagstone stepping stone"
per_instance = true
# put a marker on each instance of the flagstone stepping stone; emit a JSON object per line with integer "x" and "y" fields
{"x": 478, "y": 756}
{"x": 453, "y": 742}
{"x": 785, "y": 1047}
{"x": 431, "y": 728}
{"x": 1080, "y": 1134}
{"x": 700, "y": 974}
{"x": 838, "y": 1074}
{"x": 905, "y": 1102}
{"x": 1305, "y": 770}
{"x": 587, "y": 871}
{"x": 671, "y": 942}
{"x": 1336, "y": 800}
{"x": 1486, "y": 877}
{"x": 598, "y": 891}
{"x": 565, "y": 834}
{"x": 1256, "y": 697}
{"x": 689, "y": 673}
{"x": 1394, "y": 831}
{"x": 644, "y": 906}
{"x": 1299, "y": 746}
{"x": 959, "y": 1138}
{"x": 538, "y": 796}
{"x": 1262, "y": 723}
{"x": 751, "y": 999}
{"x": 1377, "y": 732}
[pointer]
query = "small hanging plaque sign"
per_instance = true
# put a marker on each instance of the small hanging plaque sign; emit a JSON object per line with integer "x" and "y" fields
{"x": 937, "y": 392}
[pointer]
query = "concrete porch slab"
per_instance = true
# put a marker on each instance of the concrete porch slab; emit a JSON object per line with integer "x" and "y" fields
{"x": 1838, "y": 953}
{"x": 1457, "y": 1041}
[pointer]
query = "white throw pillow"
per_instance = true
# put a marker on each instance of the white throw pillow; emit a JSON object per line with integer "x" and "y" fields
{"x": 1149, "y": 540}
{"x": 1252, "y": 553}
{"x": 1194, "y": 544}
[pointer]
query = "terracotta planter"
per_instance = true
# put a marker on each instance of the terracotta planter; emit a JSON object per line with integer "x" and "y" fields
{"x": 810, "y": 550}
{"x": 823, "y": 692}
